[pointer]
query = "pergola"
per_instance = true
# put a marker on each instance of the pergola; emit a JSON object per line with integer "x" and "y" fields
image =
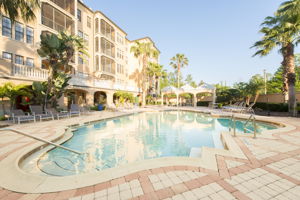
{"x": 204, "y": 88}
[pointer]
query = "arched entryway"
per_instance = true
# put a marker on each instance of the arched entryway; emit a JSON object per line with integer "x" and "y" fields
{"x": 76, "y": 96}
{"x": 186, "y": 99}
{"x": 100, "y": 97}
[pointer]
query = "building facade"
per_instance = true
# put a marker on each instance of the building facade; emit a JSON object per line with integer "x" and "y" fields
{"x": 109, "y": 67}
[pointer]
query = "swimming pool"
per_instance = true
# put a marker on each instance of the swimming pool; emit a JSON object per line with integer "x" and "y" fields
{"x": 127, "y": 139}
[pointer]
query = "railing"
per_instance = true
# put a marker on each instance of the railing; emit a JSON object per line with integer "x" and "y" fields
{"x": 107, "y": 84}
{"x": 29, "y": 72}
{"x": 42, "y": 140}
{"x": 79, "y": 78}
{"x": 232, "y": 125}
{"x": 253, "y": 120}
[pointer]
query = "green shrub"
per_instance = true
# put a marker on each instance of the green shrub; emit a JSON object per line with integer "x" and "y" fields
{"x": 94, "y": 108}
{"x": 2, "y": 118}
{"x": 202, "y": 103}
{"x": 274, "y": 107}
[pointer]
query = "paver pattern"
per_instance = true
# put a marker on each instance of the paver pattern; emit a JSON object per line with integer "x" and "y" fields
{"x": 271, "y": 171}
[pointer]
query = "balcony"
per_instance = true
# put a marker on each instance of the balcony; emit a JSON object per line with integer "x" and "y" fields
{"x": 81, "y": 79}
{"x": 109, "y": 84}
{"x": 67, "y": 5}
{"x": 104, "y": 84}
{"x": 56, "y": 20}
{"x": 32, "y": 73}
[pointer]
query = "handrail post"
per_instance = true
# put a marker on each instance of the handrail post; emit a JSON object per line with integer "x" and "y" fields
{"x": 234, "y": 127}
{"x": 254, "y": 127}
{"x": 230, "y": 125}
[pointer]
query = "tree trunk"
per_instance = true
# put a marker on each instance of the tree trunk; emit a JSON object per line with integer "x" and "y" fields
{"x": 3, "y": 106}
{"x": 144, "y": 81}
{"x": 285, "y": 86}
{"x": 288, "y": 53}
{"x": 178, "y": 72}
{"x": 255, "y": 98}
{"x": 48, "y": 87}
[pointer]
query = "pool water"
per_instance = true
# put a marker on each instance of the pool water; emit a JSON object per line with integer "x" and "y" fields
{"x": 127, "y": 139}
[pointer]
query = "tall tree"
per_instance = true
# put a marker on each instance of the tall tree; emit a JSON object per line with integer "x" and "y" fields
{"x": 283, "y": 30}
{"x": 177, "y": 62}
{"x": 189, "y": 80}
{"x": 144, "y": 51}
{"x": 58, "y": 51}
{"x": 19, "y": 9}
{"x": 155, "y": 71}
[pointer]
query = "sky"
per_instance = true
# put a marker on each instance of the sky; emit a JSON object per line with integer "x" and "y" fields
{"x": 215, "y": 35}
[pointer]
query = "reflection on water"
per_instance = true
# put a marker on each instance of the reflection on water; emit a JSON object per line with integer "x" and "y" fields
{"x": 117, "y": 142}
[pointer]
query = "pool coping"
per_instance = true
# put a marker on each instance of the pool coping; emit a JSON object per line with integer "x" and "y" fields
{"x": 15, "y": 179}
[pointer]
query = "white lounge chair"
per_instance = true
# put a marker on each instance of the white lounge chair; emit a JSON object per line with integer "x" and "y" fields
{"x": 75, "y": 110}
{"x": 19, "y": 116}
{"x": 39, "y": 113}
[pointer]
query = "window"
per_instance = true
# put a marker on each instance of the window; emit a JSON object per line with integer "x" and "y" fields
{"x": 107, "y": 47}
{"x": 86, "y": 37}
{"x": 6, "y": 27}
{"x": 56, "y": 20}
{"x": 120, "y": 38}
{"x": 80, "y": 34}
{"x": 29, "y": 35}
{"x": 97, "y": 44}
{"x": 96, "y": 25}
{"x": 89, "y": 22}
{"x": 97, "y": 63}
{"x": 67, "y": 5}
{"x": 79, "y": 15}
{"x": 19, "y": 60}
{"x": 107, "y": 30}
{"x": 80, "y": 59}
{"x": 6, "y": 55}
{"x": 19, "y": 31}
{"x": 120, "y": 54}
{"x": 29, "y": 62}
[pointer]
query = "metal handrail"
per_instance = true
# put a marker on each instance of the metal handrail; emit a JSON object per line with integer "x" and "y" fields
{"x": 42, "y": 140}
{"x": 233, "y": 125}
{"x": 249, "y": 119}
{"x": 252, "y": 117}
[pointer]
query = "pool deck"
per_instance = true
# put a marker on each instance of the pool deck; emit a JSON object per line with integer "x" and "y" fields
{"x": 267, "y": 167}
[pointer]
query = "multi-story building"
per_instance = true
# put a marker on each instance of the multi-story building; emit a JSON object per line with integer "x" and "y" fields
{"x": 109, "y": 67}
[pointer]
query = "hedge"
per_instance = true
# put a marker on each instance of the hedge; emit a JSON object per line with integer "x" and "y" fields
{"x": 274, "y": 107}
{"x": 203, "y": 103}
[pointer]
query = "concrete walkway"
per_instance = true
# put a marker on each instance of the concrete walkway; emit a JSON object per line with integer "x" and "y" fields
{"x": 271, "y": 170}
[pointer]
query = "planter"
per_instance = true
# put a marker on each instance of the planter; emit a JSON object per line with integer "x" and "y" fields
{"x": 100, "y": 107}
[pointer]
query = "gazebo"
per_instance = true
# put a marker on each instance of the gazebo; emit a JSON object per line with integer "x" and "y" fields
{"x": 204, "y": 88}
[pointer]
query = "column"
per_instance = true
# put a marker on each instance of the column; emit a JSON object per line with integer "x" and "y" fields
{"x": 90, "y": 98}
{"x": 162, "y": 99}
{"x": 109, "y": 98}
{"x": 177, "y": 98}
{"x": 214, "y": 98}
{"x": 195, "y": 100}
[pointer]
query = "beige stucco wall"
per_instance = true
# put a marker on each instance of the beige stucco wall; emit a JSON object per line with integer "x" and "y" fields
{"x": 275, "y": 98}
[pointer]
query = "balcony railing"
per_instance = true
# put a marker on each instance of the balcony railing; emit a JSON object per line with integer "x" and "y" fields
{"x": 29, "y": 72}
{"x": 81, "y": 79}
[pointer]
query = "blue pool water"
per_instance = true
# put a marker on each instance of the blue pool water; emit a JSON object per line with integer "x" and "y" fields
{"x": 132, "y": 138}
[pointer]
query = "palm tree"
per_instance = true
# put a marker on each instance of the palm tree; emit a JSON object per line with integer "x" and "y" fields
{"x": 144, "y": 51}
{"x": 19, "y": 8}
{"x": 283, "y": 30}
{"x": 13, "y": 91}
{"x": 155, "y": 71}
{"x": 256, "y": 86}
{"x": 57, "y": 52}
{"x": 177, "y": 62}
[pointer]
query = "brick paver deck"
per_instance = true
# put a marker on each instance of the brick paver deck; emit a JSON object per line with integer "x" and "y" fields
{"x": 271, "y": 171}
